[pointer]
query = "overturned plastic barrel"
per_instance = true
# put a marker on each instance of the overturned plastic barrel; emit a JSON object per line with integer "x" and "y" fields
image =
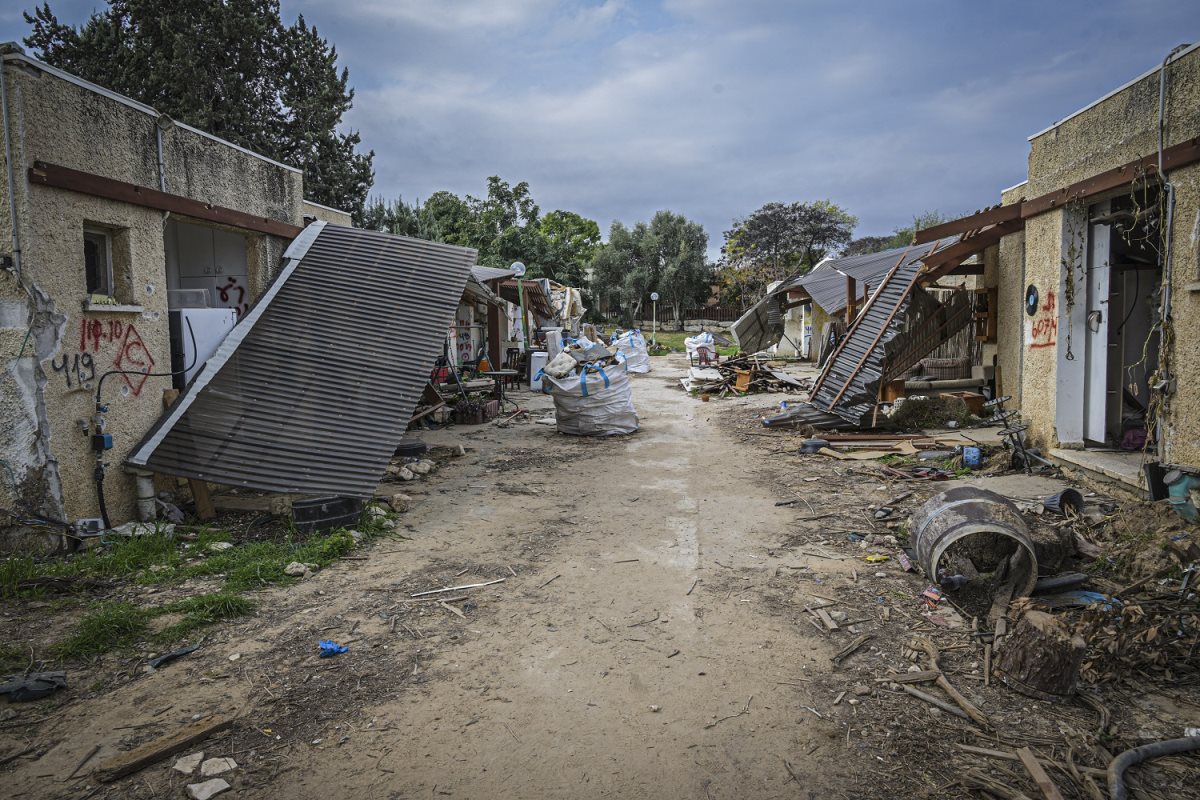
{"x": 967, "y": 511}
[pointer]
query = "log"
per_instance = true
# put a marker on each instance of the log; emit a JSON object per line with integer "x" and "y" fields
{"x": 1041, "y": 658}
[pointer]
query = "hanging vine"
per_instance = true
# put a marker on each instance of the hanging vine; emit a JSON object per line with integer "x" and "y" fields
{"x": 1074, "y": 213}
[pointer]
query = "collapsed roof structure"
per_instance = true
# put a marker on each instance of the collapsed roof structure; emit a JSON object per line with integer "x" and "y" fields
{"x": 899, "y": 324}
{"x": 313, "y": 389}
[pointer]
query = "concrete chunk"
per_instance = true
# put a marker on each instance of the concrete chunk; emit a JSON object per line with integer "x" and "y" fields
{"x": 203, "y": 791}
{"x": 187, "y": 765}
{"x": 217, "y": 766}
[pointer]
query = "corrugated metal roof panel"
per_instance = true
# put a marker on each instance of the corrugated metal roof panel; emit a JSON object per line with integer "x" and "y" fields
{"x": 313, "y": 389}
{"x": 491, "y": 273}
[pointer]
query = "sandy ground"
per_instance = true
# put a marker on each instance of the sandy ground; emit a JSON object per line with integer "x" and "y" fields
{"x": 647, "y": 640}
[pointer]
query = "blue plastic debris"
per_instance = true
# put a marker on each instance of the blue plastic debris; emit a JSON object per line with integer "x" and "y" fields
{"x": 331, "y": 648}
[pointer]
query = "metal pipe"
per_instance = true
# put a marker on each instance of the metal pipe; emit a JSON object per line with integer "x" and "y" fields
{"x": 8, "y": 162}
{"x": 162, "y": 170}
{"x": 146, "y": 495}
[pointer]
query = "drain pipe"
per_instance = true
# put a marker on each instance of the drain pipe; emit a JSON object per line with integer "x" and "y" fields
{"x": 8, "y": 161}
{"x": 146, "y": 510}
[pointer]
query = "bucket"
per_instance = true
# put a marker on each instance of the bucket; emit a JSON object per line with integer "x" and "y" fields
{"x": 967, "y": 511}
{"x": 1067, "y": 498}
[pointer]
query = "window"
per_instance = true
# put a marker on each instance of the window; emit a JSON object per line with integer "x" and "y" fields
{"x": 97, "y": 261}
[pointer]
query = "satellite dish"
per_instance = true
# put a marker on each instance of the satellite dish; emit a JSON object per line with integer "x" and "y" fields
{"x": 518, "y": 268}
{"x": 654, "y": 296}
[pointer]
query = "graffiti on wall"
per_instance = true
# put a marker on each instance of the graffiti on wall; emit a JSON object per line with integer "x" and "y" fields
{"x": 131, "y": 354}
{"x": 233, "y": 295}
{"x": 1042, "y": 327}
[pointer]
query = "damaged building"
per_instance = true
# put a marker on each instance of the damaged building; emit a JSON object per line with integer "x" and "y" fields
{"x": 132, "y": 245}
{"x": 1096, "y": 276}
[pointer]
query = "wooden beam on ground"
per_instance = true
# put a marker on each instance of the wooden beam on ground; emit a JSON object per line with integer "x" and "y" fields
{"x": 204, "y": 504}
{"x": 1044, "y": 784}
{"x": 154, "y": 751}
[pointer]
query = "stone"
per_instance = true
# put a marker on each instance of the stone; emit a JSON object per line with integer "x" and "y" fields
{"x": 405, "y": 474}
{"x": 880, "y": 574}
{"x": 235, "y": 656}
{"x": 861, "y": 689}
{"x": 460, "y": 452}
{"x": 359, "y": 537}
{"x": 217, "y": 766}
{"x": 187, "y": 765}
{"x": 375, "y": 512}
{"x": 655, "y": 709}
{"x": 388, "y": 524}
{"x": 203, "y": 791}
{"x": 295, "y": 570}
{"x": 394, "y": 469}
{"x": 400, "y": 503}
{"x": 420, "y": 468}
{"x": 217, "y": 547}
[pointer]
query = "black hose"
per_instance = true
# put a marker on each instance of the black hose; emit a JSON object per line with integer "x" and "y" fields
{"x": 99, "y": 474}
{"x": 1117, "y": 767}
{"x": 100, "y": 496}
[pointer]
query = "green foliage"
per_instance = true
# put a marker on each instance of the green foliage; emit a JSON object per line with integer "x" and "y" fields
{"x": 780, "y": 239}
{"x": 570, "y": 245}
{"x": 666, "y": 256}
{"x": 230, "y": 68}
{"x": 109, "y": 626}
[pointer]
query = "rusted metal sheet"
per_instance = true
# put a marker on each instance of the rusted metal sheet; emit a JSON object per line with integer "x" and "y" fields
{"x": 313, "y": 389}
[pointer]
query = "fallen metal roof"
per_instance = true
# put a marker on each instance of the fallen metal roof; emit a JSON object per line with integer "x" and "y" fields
{"x": 761, "y": 326}
{"x": 536, "y": 299}
{"x": 827, "y": 283}
{"x": 314, "y": 387}
{"x": 485, "y": 274}
{"x": 900, "y": 324}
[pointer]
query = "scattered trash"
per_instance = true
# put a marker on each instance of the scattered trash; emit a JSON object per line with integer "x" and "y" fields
{"x": 876, "y": 558}
{"x": 972, "y": 457}
{"x": 905, "y": 562}
{"x": 933, "y": 596}
{"x": 331, "y": 648}
{"x": 34, "y": 686}
{"x": 165, "y": 658}
{"x": 1064, "y": 501}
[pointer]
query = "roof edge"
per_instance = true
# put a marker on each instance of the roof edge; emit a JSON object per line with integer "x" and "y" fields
{"x": 1169, "y": 60}
{"x": 95, "y": 88}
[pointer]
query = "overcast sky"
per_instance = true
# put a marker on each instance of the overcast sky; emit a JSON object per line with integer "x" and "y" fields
{"x": 710, "y": 108}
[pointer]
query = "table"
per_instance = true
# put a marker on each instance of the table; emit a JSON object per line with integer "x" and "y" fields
{"x": 500, "y": 376}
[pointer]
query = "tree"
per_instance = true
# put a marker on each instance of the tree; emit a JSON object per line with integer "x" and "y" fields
{"x": 230, "y": 68}
{"x": 570, "y": 244}
{"x": 681, "y": 248}
{"x": 780, "y": 239}
{"x": 667, "y": 255}
{"x": 901, "y": 237}
{"x": 397, "y": 216}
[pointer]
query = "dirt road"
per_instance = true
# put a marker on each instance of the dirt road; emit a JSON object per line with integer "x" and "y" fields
{"x": 630, "y": 652}
{"x": 615, "y": 663}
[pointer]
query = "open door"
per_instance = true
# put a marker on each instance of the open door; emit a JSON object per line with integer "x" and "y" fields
{"x": 1096, "y": 391}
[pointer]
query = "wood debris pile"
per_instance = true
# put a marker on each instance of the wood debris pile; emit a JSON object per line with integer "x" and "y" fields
{"x": 743, "y": 375}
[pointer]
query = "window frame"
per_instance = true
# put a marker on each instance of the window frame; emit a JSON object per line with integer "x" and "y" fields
{"x": 108, "y": 286}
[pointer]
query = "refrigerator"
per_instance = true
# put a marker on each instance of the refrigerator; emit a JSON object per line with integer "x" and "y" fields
{"x": 209, "y": 327}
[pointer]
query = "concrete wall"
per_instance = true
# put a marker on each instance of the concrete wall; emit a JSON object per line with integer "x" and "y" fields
{"x": 1005, "y": 270}
{"x": 1114, "y": 131}
{"x": 327, "y": 214}
{"x": 49, "y": 393}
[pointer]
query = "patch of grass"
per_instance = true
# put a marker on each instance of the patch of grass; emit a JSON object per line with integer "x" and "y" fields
{"x": 202, "y": 610}
{"x": 12, "y": 658}
{"x": 107, "y": 627}
{"x": 672, "y": 341}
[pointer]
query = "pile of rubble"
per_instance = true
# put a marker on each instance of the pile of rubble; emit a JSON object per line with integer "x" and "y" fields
{"x": 591, "y": 389}
{"x": 743, "y": 375}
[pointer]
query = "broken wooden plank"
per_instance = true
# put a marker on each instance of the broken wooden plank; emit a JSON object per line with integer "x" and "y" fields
{"x": 1007, "y": 756}
{"x": 154, "y": 751}
{"x": 204, "y": 505}
{"x": 924, "y": 676}
{"x": 1045, "y": 785}
{"x": 823, "y": 615}
{"x": 849, "y": 649}
{"x": 942, "y": 704}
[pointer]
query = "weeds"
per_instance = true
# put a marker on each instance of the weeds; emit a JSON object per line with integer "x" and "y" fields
{"x": 109, "y": 626}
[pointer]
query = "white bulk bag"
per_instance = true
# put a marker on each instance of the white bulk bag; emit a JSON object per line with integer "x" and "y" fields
{"x": 632, "y": 345}
{"x": 596, "y": 402}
